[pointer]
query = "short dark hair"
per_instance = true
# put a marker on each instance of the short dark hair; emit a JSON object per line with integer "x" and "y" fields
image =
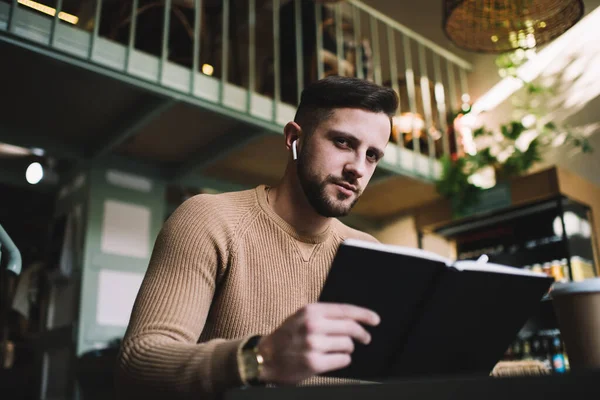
{"x": 322, "y": 97}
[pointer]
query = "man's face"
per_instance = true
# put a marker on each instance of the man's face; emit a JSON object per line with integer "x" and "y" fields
{"x": 337, "y": 161}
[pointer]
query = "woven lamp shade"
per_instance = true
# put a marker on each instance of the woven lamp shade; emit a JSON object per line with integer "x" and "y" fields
{"x": 498, "y": 26}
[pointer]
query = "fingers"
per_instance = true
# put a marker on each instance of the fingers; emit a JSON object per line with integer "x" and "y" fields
{"x": 344, "y": 311}
{"x": 348, "y": 328}
{"x": 337, "y": 320}
{"x": 329, "y": 344}
{"x": 320, "y": 362}
{"x": 316, "y": 339}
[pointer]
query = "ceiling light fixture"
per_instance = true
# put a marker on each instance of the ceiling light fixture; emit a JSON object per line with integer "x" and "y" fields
{"x": 501, "y": 26}
{"x": 34, "y": 173}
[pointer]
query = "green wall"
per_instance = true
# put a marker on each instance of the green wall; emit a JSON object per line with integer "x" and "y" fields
{"x": 124, "y": 214}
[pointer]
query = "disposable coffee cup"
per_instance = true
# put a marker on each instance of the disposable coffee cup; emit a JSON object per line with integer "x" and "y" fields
{"x": 577, "y": 307}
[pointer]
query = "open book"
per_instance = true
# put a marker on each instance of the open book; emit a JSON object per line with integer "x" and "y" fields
{"x": 438, "y": 317}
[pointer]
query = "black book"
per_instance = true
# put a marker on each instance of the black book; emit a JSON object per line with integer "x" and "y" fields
{"x": 438, "y": 316}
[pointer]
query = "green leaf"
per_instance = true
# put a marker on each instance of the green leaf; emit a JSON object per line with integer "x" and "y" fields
{"x": 484, "y": 158}
{"x": 479, "y": 132}
{"x": 454, "y": 183}
{"x": 531, "y": 88}
{"x": 520, "y": 162}
{"x": 512, "y": 131}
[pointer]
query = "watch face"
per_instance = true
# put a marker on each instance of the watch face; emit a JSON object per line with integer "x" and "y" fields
{"x": 250, "y": 365}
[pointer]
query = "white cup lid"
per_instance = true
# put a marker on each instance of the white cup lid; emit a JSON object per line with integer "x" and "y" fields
{"x": 586, "y": 286}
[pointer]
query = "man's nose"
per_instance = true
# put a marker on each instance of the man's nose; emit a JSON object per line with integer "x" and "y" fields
{"x": 356, "y": 167}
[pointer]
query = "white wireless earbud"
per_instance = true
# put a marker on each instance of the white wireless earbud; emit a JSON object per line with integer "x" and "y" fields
{"x": 294, "y": 150}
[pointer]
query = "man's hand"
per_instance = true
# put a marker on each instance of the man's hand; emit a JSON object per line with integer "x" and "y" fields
{"x": 314, "y": 340}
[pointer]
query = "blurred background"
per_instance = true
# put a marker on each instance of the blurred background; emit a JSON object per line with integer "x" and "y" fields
{"x": 115, "y": 112}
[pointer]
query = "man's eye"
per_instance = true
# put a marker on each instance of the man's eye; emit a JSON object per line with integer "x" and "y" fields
{"x": 341, "y": 141}
{"x": 372, "y": 156}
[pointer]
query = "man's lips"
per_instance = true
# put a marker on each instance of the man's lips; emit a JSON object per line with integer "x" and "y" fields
{"x": 346, "y": 186}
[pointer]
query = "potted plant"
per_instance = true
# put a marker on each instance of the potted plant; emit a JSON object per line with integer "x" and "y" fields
{"x": 513, "y": 149}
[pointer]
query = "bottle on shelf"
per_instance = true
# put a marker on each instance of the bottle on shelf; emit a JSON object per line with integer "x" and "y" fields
{"x": 526, "y": 351}
{"x": 565, "y": 267}
{"x": 545, "y": 346}
{"x": 556, "y": 271}
{"x": 566, "y": 358}
{"x": 547, "y": 268}
{"x": 581, "y": 269}
{"x": 547, "y": 353}
{"x": 536, "y": 349}
{"x": 537, "y": 268}
{"x": 558, "y": 358}
{"x": 517, "y": 350}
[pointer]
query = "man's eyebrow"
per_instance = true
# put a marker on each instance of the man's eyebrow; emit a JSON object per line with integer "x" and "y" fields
{"x": 343, "y": 133}
{"x": 354, "y": 139}
{"x": 380, "y": 153}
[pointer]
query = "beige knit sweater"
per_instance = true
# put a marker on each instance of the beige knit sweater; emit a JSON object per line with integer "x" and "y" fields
{"x": 224, "y": 267}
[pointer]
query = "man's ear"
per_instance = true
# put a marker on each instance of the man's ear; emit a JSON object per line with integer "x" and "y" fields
{"x": 292, "y": 133}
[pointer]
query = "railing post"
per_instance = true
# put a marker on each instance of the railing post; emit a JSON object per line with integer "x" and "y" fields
{"x": 165, "y": 41}
{"x": 299, "y": 55}
{"x": 440, "y": 101}
{"x": 225, "y": 50}
{"x": 96, "y": 30}
{"x": 55, "y": 22}
{"x": 393, "y": 59}
{"x": 339, "y": 38}
{"x": 412, "y": 102}
{"x": 376, "y": 54}
{"x": 359, "y": 61}
{"x": 391, "y": 34}
{"x": 12, "y": 15}
{"x": 132, "y": 33}
{"x": 251, "y": 51}
{"x": 196, "y": 43}
{"x": 319, "y": 36}
{"x": 452, "y": 95}
{"x": 276, "y": 57}
{"x": 427, "y": 110}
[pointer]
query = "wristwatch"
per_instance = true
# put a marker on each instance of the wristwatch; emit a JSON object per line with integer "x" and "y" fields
{"x": 250, "y": 362}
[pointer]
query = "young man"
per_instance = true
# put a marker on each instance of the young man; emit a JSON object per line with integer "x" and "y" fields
{"x": 230, "y": 295}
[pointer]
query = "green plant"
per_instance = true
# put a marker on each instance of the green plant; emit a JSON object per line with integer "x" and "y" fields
{"x": 454, "y": 183}
{"x": 515, "y": 148}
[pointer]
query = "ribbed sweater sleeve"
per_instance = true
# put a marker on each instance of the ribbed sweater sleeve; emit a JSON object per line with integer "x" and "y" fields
{"x": 160, "y": 356}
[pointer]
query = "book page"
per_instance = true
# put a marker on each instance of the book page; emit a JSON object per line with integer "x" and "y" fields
{"x": 407, "y": 251}
{"x": 469, "y": 265}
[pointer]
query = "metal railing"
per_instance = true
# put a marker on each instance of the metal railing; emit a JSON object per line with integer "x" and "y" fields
{"x": 255, "y": 57}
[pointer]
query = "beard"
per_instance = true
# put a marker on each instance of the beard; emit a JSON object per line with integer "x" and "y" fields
{"x": 315, "y": 190}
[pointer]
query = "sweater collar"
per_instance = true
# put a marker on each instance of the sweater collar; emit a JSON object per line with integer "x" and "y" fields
{"x": 261, "y": 194}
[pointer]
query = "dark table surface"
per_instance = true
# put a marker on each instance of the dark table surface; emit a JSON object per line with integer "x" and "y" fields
{"x": 572, "y": 385}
